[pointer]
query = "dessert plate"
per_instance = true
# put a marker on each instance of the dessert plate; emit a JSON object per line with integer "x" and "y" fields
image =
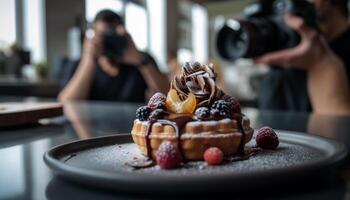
{"x": 102, "y": 162}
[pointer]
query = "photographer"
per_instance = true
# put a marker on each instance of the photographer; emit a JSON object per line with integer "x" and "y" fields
{"x": 120, "y": 74}
{"x": 314, "y": 75}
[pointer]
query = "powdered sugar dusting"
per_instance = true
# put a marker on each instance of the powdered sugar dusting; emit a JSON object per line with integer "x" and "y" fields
{"x": 114, "y": 158}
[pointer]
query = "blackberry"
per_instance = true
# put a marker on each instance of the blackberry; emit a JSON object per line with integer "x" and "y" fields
{"x": 217, "y": 114}
{"x": 220, "y": 109}
{"x": 156, "y": 114}
{"x": 202, "y": 113}
{"x": 142, "y": 113}
{"x": 220, "y": 105}
{"x": 233, "y": 104}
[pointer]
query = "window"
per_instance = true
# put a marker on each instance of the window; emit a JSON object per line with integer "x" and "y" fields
{"x": 136, "y": 24}
{"x": 200, "y": 33}
{"x": 94, "y": 6}
{"x": 34, "y": 29}
{"x": 157, "y": 31}
{"x": 7, "y": 22}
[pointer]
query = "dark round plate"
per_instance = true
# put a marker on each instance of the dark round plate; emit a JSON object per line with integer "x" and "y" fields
{"x": 101, "y": 162}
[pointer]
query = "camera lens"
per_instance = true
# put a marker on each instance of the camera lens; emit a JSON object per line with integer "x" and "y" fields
{"x": 114, "y": 45}
{"x": 246, "y": 39}
{"x": 233, "y": 40}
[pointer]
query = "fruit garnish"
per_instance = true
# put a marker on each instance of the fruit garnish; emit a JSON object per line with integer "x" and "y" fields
{"x": 213, "y": 156}
{"x": 202, "y": 113}
{"x": 156, "y": 114}
{"x": 220, "y": 110}
{"x": 233, "y": 103}
{"x": 168, "y": 156}
{"x": 266, "y": 138}
{"x": 174, "y": 104}
{"x": 142, "y": 113}
{"x": 157, "y": 101}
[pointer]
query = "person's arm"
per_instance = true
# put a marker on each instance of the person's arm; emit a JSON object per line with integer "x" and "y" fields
{"x": 328, "y": 86}
{"x": 155, "y": 80}
{"x": 78, "y": 87}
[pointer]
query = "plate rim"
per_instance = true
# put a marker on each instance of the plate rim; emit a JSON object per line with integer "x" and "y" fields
{"x": 76, "y": 173}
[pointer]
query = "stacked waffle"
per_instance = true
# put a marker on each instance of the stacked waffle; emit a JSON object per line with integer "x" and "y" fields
{"x": 194, "y": 116}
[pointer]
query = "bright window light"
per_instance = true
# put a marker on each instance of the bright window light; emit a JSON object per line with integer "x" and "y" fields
{"x": 7, "y": 22}
{"x": 136, "y": 24}
{"x": 157, "y": 46}
{"x": 34, "y": 29}
{"x": 200, "y": 33}
{"x": 184, "y": 55}
{"x": 92, "y": 7}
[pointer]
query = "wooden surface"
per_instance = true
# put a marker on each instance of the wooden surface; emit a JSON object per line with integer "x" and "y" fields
{"x": 12, "y": 114}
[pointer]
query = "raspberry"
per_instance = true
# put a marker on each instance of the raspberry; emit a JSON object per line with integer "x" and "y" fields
{"x": 233, "y": 104}
{"x": 213, "y": 156}
{"x": 217, "y": 114}
{"x": 142, "y": 113}
{"x": 202, "y": 113}
{"x": 168, "y": 156}
{"x": 266, "y": 138}
{"x": 157, "y": 101}
{"x": 156, "y": 114}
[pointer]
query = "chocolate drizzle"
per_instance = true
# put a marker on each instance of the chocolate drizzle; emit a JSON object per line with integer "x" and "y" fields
{"x": 240, "y": 126}
{"x": 170, "y": 123}
{"x": 148, "y": 139}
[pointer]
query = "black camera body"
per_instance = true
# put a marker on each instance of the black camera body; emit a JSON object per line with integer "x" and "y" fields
{"x": 262, "y": 29}
{"x": 114, "y": 45}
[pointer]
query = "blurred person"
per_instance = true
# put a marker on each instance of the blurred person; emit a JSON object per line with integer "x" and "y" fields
{"x": 314, "y": 75}
{"x": 101, "y": 74}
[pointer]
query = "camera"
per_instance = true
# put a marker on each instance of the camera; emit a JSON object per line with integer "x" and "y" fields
{"x": 262, "y": 29}
{"x": 114, "y": 45}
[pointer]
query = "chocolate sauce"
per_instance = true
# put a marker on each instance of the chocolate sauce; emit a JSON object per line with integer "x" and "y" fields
{"x": 148, "y": 140}
{"x": 242, "y": 143}
{"x": 245, "y": 155}
{"x": 163, "y": 122}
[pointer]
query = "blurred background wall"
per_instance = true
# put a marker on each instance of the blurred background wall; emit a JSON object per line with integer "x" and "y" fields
{"x": 37, "y": 37}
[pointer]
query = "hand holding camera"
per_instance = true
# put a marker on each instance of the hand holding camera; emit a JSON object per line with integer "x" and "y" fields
{"x": 92, "y": 48}
{"x": 311, "y": 51}
{"x": 262, "y": 29}
{"x": 118, "y": 47}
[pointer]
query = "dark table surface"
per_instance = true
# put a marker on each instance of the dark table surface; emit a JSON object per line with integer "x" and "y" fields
{"x": 24, "y": 175}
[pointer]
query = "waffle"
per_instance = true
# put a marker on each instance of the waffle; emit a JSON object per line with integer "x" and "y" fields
{"x": 195, "y": 137}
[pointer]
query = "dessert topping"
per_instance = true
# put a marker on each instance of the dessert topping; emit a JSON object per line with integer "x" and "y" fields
{"x": 157, "y": 101}
{"x": 233, "y": 103}
{"x": 156, "y": 114}
{"x": 220, "y": 110}
{"x": 198, "y": 80}
{"x": 202, "y": 113}
{"x": 168, "y": 157}
{"x": 176, "y": 105}
{"x": 266, "y": 138}
{"x": 142, "y": 113}
{"x": 213, "y": 156}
